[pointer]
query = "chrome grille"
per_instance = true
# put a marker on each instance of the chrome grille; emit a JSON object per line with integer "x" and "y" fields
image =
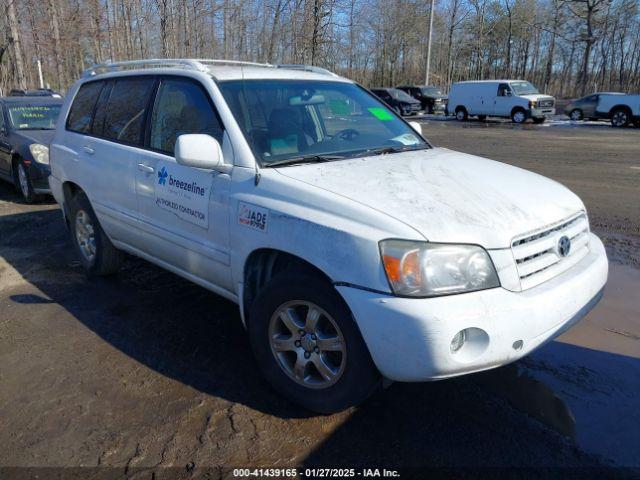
{"x": 546, "y": 103}
{"x": 537, "y": 254}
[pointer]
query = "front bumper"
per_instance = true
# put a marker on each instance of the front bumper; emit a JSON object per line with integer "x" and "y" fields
{"x": 39, "y": 175}
{"x": 409, "y": 338}
{"x": 547, "y": 112}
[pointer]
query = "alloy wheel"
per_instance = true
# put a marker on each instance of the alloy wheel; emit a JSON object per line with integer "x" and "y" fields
{"x": 85, "y": 235}
{"x": 307, "y": 344}
{"x": 23, "y": 180}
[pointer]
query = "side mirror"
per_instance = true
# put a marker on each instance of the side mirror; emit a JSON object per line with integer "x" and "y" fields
{"x": 416, "y": 126}
{"x": 200, "y": 151}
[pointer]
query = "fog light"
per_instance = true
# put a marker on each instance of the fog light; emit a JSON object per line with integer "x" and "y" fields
{"x": 458, "y": 341}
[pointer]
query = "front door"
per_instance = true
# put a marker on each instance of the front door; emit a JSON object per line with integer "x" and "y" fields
{"x": 503, "y": 101}
{"x": 183, "y": 210}
{"x": 5, "y": 146}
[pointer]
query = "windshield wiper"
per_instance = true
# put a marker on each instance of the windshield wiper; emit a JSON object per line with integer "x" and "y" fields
{"x": 386, "y": 150}
{"x": 305, "y": 159}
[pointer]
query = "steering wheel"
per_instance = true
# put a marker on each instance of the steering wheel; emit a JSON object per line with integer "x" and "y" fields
{"x": 347, "y": 134}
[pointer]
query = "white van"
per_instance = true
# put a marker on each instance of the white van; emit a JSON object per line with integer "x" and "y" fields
{"x": 354, "y": 248}
{"x": 516, "y": 99}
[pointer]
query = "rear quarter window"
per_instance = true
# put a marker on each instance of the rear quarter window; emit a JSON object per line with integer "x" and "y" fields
{"x": 81, "y": 113}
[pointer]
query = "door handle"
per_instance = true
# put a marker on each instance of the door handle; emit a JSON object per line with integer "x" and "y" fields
{"x": 88, "y": 150}
{"x": 145, "y": 168}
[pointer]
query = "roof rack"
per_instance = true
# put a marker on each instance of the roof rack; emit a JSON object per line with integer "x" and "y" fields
{"x": 186, "y": 63}
{"x": 307, "y": 68}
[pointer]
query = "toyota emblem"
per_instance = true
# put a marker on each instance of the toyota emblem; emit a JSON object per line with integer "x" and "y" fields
{"x": 564, "y": 246}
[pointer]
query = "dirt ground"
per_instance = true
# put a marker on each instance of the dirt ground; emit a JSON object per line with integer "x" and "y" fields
{"x": 110, "y": 373}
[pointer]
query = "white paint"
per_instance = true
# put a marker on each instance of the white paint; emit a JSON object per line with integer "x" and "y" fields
{"x": 334, "y": 215}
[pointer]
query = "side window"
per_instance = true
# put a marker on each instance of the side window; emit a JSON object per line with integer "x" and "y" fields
{"x": 81, "y": 113}
{"x": 97, "y": 126}
{"x": 181, "y": 107}
{"x": 126, "y": 108}
{"x": 1, "y": 120}
{"x": 503, "y": 90}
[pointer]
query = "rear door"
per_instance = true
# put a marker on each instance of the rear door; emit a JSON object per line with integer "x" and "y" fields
{"x": 183, "y": 211}
{"x": 108, "y": 148}
{"x": 589, "y": 106}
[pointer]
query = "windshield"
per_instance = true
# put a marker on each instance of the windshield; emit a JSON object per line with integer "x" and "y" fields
{"x": 34, "y": 117}
{"x": 400, "y": 95}
{"x": 288, "y": 119}
{"x": 431, "y": 91}
{"x": 523, "y": 88}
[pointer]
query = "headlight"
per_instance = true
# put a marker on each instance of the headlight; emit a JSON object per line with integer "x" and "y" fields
{"x": 532, "y": 104}
{"x": 40, "y": 153}
{"x": 423, "y": 269}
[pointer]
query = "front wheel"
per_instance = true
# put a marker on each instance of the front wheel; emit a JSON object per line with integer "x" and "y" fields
{"x": 22, "y": 181}
{"x": 308, "y": 346}
{"x": 96, "y": 252}
{"x": 620, "y": 118}
{"x": 576, "y": 114}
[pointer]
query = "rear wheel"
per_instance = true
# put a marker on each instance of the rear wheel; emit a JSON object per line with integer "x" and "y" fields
{"x": 620, "y": 118}
{"x": 518, "y": 116}
{"x": 308, "y": 346}
{"x": 22, "y": 181}
{"x": 96, "y": 252}
{"x": 461, "y": 114}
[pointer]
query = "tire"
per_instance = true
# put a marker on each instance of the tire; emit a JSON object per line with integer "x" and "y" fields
{"x": 636, "y": 123}
{"x": 518, "y": 116}
{"x": 576, "y": 114}
{"x": 482, "y": 118}
{"x": 430, "y": 109}
{"x": 355, "y": 377}
{"x": 22, "y": 182}
{"x": 88, "y": 237}
{"x": 539, "y": 120}
{"x": 620, "y": 117}
{"x": 461, "y": 114}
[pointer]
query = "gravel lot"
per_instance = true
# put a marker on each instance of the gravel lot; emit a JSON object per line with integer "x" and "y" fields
{"x": 110, "y": 373}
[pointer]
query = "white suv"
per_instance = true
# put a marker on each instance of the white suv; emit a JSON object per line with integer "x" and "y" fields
{"x": 355, "y": 249}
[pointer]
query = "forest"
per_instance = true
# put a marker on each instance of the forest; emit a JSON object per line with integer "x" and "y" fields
{"x": 565, "y": 47}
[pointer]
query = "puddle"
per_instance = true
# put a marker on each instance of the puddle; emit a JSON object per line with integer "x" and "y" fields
{"x": 585, "y": 385}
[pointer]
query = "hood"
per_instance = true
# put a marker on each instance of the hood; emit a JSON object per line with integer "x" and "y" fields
{"x": 537, "y": 96}
{"x": 33, "y": 136}
{"x": 438, "y": 97}
{"x": 447, "y": 196}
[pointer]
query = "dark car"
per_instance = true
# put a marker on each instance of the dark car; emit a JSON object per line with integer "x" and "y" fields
{"x": 585, "y": 107}
{"x": 40, "y": 92}
{"x": 431, "y": 98}
{"x": 26, "y": 128}
{"x": 401, "y": 102}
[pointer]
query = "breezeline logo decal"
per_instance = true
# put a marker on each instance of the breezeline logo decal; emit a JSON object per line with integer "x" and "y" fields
{"x": 184, "y": 191}
{"x": 162, "y": 176}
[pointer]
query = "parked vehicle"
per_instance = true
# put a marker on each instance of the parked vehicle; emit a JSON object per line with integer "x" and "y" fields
{"x": 620, "y": 109}
{"x": 585, "y": 107}
{"x": 26, "y": 128}
{"x": 354, "y": 248}
{"x": 40, "y": 92}
{"x": 516, "y": 99}
{"x": 431, "y": 98}
{"x": 402, "y": 103}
